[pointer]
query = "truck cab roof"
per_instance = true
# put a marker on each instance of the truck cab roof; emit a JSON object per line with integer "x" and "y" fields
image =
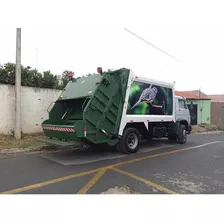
{"x": 180, "y": 97}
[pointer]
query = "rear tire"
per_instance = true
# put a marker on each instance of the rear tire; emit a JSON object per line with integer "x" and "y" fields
{"x": 130, "y": 141}
{"x": 182, "y": 134}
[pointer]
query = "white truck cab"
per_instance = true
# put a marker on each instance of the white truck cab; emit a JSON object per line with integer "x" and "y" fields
{"x": 182, "y": 111}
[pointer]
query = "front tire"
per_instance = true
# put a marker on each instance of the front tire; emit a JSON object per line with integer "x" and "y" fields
{"x": 130, "y": 141}
{"x": 182, "y": 134}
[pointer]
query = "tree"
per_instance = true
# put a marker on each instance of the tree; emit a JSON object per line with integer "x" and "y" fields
{"x": 7, "y": 74}
{"x": 31, "y": 77}
{"x": 49, "y": 80}
{"x": 65, "y": 79}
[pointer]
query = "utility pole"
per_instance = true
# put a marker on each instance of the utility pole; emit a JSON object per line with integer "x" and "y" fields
{"x": 36, "y": 58}
{"x": 18, "y": 84}
{"x": 200, "y": 105}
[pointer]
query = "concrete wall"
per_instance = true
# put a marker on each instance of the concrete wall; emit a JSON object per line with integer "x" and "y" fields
{"x": 204, "y": 115}
{"x": 34, "y": 104}
{"x": 216, "y": 112}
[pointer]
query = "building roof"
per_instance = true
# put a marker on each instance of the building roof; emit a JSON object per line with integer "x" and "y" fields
{"x": 199, "y": 93}
{"x": 193, "y": 95}
{"x": 217, "y": 98}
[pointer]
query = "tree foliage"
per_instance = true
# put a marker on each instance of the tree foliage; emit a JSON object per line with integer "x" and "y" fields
{"x": 65, "y": 77}
{"x": 32, "y": 78}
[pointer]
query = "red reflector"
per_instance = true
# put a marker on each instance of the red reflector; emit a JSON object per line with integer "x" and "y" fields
{"x": 147, "y": 120}
{"x": 104, "y": 132}
{"x": 85, "y": 128}
{"x": 132, "y": 121}
{"x": 70, "y": 75}
{"x": 100, "y": 70}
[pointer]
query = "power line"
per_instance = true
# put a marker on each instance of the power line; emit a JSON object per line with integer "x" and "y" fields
{"x": 153, "y": 45}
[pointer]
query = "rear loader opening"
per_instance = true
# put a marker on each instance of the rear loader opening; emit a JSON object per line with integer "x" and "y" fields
{"x": 89, "y": 109}
{"x": 65, "y": 121}
{"x": 66, "y": 112}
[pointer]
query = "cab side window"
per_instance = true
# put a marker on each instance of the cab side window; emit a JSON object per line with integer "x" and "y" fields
{"x": 182, "y": 104}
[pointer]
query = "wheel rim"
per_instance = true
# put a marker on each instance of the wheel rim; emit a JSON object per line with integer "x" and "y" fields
{"x": 132, "y": 141}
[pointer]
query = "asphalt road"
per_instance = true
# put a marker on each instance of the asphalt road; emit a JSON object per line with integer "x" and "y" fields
{"x": 158, "y": 168}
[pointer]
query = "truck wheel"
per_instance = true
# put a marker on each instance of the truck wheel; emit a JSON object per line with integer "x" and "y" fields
{"x": 182, "y": 135}
{"x": 130, "y": 141}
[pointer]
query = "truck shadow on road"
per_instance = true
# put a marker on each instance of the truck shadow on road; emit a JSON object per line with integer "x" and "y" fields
{"x": 90, "y": 155}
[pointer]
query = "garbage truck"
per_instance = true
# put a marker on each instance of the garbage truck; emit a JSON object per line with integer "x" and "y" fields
{"x": 117, "y": 109}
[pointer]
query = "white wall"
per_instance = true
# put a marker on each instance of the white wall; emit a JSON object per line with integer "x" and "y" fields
{"x": 34, "y": 104}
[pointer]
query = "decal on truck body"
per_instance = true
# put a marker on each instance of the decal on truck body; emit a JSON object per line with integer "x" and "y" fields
{"x": 149, "y": 99}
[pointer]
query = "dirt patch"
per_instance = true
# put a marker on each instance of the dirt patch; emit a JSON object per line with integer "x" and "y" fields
{"x": 197, "y": 129}
{"x": 120, "y": 190}
{"x": 29, "y": 144}
{"x": 9, "y": 142}
{"x": 206, "y": 128}
{"x": 188, "y": 187}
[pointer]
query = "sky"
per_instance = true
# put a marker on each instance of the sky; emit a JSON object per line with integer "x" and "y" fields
{"x": 83, "y": 35}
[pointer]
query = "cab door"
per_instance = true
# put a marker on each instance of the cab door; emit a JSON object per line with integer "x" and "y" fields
{"x": 182, "y": 111}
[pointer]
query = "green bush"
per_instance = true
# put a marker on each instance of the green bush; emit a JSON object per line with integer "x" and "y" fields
{"x": 32, "y": 78}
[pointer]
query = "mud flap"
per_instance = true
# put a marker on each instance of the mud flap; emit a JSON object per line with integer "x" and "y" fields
{"x": 112, "y": 142}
